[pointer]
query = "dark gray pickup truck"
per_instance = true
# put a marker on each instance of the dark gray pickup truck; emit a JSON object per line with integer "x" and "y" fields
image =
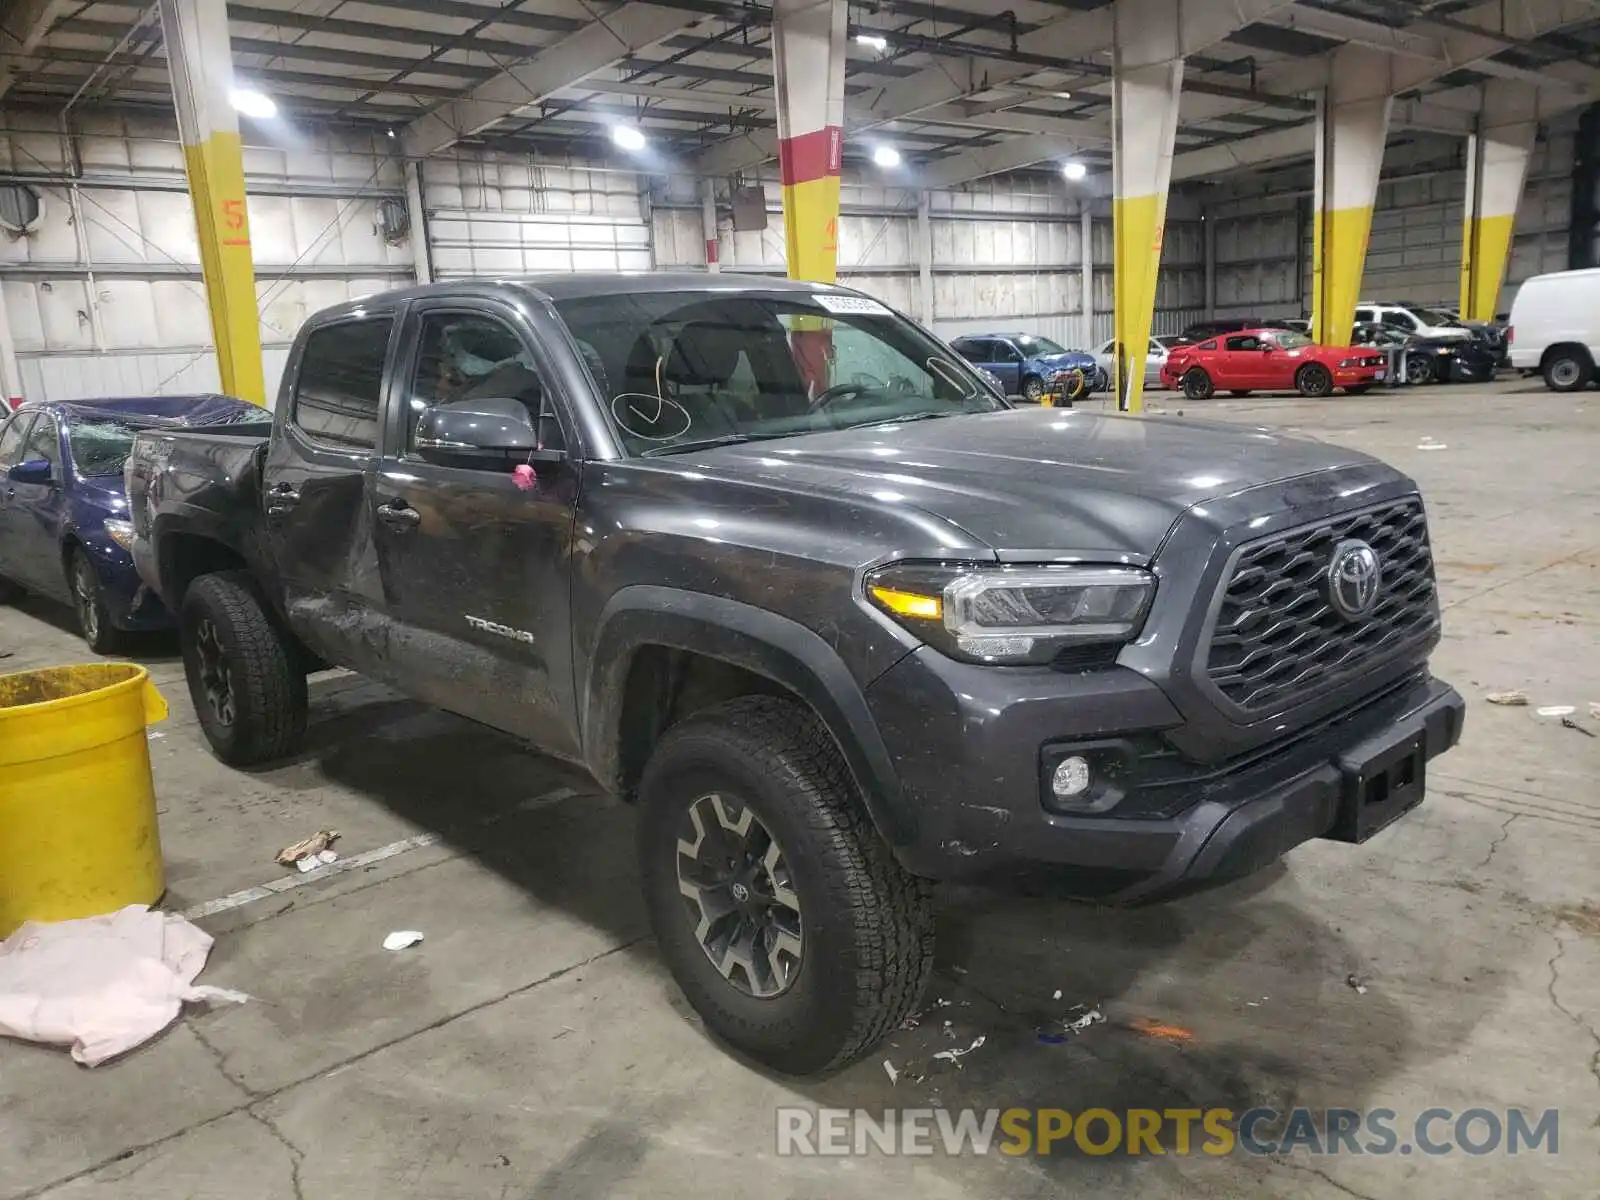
{"x": 777, "y": 564}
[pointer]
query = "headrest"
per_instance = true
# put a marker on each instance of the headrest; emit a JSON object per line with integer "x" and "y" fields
{"x": 703, "y": 355}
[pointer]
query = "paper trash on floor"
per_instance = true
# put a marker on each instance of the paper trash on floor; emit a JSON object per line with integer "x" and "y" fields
{"x": 102, "y": 985}
{"x": 311, "y": 847}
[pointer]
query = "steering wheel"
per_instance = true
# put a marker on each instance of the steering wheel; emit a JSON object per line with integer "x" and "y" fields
{"x": 861, "y": 383}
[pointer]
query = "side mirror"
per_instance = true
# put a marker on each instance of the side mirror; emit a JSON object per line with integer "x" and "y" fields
{"x": 494, "y": 428}
{"x": 34, "y": 470}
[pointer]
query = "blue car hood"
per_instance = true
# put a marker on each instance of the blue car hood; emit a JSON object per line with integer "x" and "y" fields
{"x": 1072, "y": 358}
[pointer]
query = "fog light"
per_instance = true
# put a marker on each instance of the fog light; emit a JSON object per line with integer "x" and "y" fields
{"x": 1071, "y": 777}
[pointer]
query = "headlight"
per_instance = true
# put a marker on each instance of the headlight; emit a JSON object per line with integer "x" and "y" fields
{"x": 1012, "y": 615}
{"x": 1443, "y": 350}
{"x": 1349, "y": 362}
{"x": 120, "y": 532}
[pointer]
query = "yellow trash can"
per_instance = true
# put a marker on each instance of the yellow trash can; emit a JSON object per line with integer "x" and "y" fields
{"x": 77, "y": 806}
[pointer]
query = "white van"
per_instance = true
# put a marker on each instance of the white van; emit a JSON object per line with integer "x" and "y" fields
{"x": 1555, "y": 328}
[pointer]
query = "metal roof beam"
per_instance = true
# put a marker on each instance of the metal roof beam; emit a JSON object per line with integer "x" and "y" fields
{"x": 623, "y": 32}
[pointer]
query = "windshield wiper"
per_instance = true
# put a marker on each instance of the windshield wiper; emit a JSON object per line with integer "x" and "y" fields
{"x": 921, "y": 416}
{"x": 726, "y": 439}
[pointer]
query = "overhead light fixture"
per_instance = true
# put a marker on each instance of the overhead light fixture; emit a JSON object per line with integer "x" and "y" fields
{"x": 886, "y": 156}
{"x": 880, "y": 44}
{"x": 253, "y": 104}
{"x": 628, "y": 137}
{"x": 1074, "y": 170}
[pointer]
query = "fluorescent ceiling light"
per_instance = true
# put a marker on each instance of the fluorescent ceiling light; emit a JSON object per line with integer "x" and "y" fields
{"x": 627, "y": 137}
{"x": 886, "y": 156}
{"x": 880, "y": 44}
{"x": 1074, "y": 170}
{"x": 253, "y": 104}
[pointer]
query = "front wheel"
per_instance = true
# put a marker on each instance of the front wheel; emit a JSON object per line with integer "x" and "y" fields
{"x": 1314, "y": 380}
{"x": 1420, "y": 369}
{"x": 1197, "y": 384}
{"x": 778, "y": 907}
{"x": 89, "y": 602}
{"x": 1032, "y": 389}
{"x": 244, "y": 672}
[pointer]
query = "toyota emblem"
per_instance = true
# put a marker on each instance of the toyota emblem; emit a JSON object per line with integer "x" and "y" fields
{"x": 1355, "y": 577}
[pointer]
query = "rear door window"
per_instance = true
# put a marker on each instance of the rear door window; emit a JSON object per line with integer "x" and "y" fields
{"x": 44, "y": 443}
{"x": 338, "y": 392}
{"x": 11, "y": 440}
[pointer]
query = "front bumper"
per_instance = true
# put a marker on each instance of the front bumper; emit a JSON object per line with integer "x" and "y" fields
{"x": 970, "y": 745}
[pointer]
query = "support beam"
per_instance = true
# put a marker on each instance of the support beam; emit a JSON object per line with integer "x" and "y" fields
{"x": 1497, "y": 165}
{"x": 1352, "y": 129}
{"x": 1010, "y": 155}
{"x": 1086, "y": 266}
{"x": 708, "y": 225}
{"x": 1147, "y": 81}
{"x": 23, "y": 24}
{"x": 624, "y": 31}
{"x": 417, "y": 219}
{"x": 924, "y": 256}
{"x": 200, "y": 61}
{"x": 10, "y": 374}
{"x": 1078, "y": 35}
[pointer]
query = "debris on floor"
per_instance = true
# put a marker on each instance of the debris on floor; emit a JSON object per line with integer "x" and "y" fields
{"x": 312, "y": 846}
{"x": 1357, "y": 982}
{"x": 312, "y": 861}
{"x": 1427, "y": 443}
{"x": 103, "y": 985}
{"x": 1510, "y": 699}
{"x": 889, "y": 1070}
{"x": 1556, "y": 710}
{"x": 402, "y": 939}
{"x": 1055, "y": 1032}
{"x": 954, "y": 1055}
{"x": 1152, "y": 1028}
{"x": 1569, "y": 723}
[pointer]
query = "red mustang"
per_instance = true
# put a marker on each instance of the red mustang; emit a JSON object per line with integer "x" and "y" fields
{"x": 1270, "y": 360}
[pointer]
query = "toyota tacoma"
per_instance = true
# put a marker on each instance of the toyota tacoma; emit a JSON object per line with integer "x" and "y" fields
{"x": 775, "y": 564}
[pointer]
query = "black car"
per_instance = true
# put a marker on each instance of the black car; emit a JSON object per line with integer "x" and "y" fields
{"x": 1431, "y": 360}
{"x": 1202, "y": 330}
{"x": 772, "y": 562}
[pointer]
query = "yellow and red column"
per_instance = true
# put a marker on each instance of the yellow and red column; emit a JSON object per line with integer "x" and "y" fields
{"x": 200, "y": 61}
{"x": 1352, "y": 129}
{"x": 1497, "y": 165}
{"x": 808, "y": 59}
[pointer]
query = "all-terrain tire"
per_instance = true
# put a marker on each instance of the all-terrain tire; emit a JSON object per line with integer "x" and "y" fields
{"x": 866, "y": 924}
{"x": 266, "y": 684}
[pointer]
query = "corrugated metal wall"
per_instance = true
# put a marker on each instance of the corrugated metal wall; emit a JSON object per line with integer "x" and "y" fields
{"x": 1263, "y": 244}
{"x": 105, "y": 296}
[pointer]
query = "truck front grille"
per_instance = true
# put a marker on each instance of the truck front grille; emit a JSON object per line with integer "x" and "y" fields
{"x": 1277, "y": 641}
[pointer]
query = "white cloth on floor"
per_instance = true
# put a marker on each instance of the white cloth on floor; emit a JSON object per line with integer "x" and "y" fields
{"x": 102, "y": 985}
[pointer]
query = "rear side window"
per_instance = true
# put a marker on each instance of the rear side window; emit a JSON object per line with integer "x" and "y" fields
{"x": 11, "y": 440}
{"x": 1244, "y": 343}
{"x": 336, "y": 395}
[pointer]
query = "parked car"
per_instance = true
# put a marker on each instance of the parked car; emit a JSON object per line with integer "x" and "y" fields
{"x": 1555, "y": 328}
{"x": 806, "y": 610}
{"x": 1424, "y": 322}
{"x": 1105, "y": 361}
{"x": 1431, "y": 360}
{"x": 1270, "y": 360}
{"x": 1203, "y": 330}
{"x": 64, "y": 529}
{"x": 1025, "y": 365}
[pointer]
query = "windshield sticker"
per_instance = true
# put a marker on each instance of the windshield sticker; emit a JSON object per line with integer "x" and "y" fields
{"x": 851, "y": 305}
{"x": 650, "y": 418}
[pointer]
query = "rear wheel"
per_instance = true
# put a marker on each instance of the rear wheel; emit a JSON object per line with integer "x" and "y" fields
{"x": 1197, "y": 384}
{"x": 1314, "y": 380}
{"x": 1567, "y": 369}
{"x": 89, "y": 602}
{"x": 778, "y": 907}
{"x": 245, "y": 678}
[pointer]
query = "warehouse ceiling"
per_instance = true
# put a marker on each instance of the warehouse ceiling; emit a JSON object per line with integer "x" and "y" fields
{"x": 702, "y": 90}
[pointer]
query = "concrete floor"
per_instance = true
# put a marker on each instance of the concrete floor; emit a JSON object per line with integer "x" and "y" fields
{"x": 533, "y": 1046}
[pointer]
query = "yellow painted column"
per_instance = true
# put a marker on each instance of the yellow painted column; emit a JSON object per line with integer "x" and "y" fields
{"x": 1352, "y": 129}
{"x": 808, "y": 59}
{"x": 1144, "y": 119}
{"x": 200, "y": 62}
{"x": 1497, "y": 164}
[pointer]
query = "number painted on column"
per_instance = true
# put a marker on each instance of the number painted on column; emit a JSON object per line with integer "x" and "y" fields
{"x": 830, "y": 235}
{"x": 233, "y": 216}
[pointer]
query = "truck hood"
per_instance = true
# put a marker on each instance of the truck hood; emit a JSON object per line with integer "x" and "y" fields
{"x": 1051, "y": 482}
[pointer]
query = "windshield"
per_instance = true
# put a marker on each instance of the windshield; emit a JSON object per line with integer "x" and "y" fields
{"x": 682, "y": 369}
{"x": 1433, "y": 316}
{"x": 100, "y": 447}
{"x": 1035, "y": 346}
{"x": 1291, "y": 340}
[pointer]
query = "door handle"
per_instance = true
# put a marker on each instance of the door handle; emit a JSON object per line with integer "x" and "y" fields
{"x": 282, "y": 499}
{"x": 397, "y": 514}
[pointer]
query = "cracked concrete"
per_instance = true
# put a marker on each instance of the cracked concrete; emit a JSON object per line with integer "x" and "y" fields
{"x": 533, "y": 1047}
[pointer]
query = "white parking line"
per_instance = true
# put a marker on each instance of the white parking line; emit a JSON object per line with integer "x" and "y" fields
{"x": 355, "y": 862}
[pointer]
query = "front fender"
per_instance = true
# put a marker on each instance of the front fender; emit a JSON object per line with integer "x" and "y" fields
{"x": 758, "y": 641}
